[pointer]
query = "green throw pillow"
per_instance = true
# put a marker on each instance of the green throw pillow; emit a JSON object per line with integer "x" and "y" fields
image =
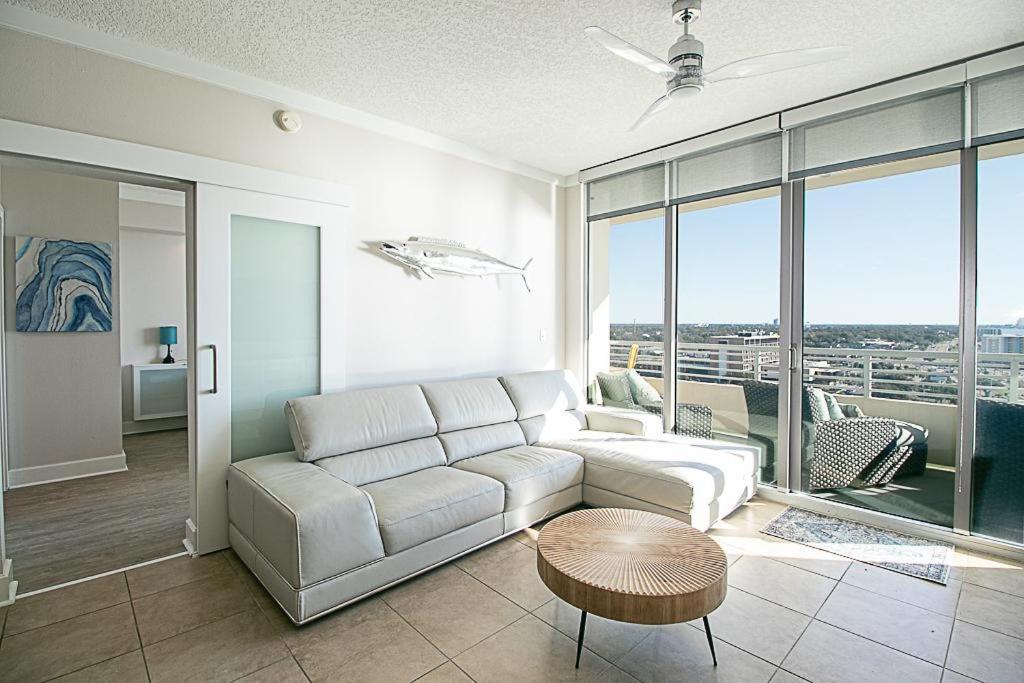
{"x": 819, "y": 408}
{"x": 851, "y": 410}
{"x": 615, "y": 390}
{"x": 642, "y": 391}
{"x": 835, "y": 412}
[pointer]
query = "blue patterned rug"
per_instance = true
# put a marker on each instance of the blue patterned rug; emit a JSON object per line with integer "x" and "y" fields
{"x": 910, "y": 555}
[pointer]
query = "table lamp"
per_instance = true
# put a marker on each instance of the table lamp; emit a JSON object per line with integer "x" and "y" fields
{"x": 169, "y": 335}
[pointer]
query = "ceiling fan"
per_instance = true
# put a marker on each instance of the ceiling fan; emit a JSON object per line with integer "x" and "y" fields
{"x": 684, "y": 69}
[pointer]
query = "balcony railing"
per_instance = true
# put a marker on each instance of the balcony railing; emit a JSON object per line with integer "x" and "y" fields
{"x": 923, "y": 376}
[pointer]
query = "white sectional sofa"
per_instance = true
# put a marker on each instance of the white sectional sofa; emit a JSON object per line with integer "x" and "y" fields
{"x": 387, "y": 483}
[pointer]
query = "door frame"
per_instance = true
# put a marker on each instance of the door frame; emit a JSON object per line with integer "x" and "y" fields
{"x": 210, "y": 334}
{"x": 110, "y": 155}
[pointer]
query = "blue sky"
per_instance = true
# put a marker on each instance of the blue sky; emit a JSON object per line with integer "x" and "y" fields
{"x": 878, "y": 251}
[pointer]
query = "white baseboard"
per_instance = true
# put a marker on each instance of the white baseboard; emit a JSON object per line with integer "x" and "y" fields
{"x": 8, "y": 586}
{"x": 158, "y": 425}
{"x": 62, "y": 471}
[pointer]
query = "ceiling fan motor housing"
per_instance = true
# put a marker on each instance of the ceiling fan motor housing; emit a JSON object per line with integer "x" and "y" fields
{"x": 684, "y": 11}
{"x": 687, "y": 56}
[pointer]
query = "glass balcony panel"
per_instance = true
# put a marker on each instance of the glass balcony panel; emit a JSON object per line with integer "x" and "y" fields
{"x": 727, "y": 363}
{"x": 627, "y": 311}
{"x": 998, "y": 466}
{"x": 881, "y": 338}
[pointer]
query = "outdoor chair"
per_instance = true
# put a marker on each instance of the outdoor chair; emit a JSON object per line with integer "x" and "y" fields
{"x": 629, "y": 390}
{"x": 842, "y": 447}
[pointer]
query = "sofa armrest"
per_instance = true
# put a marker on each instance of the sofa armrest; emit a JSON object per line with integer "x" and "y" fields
{"x": 635, "y": 422}
{"x": 305, "y": 522}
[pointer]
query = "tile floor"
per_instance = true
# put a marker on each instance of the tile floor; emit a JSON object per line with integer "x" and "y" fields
{"x": 792, "y": 614}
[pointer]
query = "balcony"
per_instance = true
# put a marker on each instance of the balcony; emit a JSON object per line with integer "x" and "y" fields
{"x": 918, "y": 387}
{"x": 866, "y": 377}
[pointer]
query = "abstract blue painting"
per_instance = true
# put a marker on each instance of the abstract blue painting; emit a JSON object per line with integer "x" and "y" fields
{"x": 62, "y": 285}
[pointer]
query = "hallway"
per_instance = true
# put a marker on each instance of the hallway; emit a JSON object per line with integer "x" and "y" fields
{"x": 72, "y": 529}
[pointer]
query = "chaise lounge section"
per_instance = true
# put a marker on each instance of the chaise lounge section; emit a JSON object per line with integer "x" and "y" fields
{"x": 387, "y": 483}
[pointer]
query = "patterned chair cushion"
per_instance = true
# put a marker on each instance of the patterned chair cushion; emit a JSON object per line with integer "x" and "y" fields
{"x": 851, "y": 410}
{"x": 818, "y": 406}
{"x": 835, "y": 412}
{"x": 641, "y": 390}
{"x": 615, "y": 390}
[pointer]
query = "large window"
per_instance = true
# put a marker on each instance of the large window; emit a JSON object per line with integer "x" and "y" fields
{"x": 627, "y": 311}
{"x": 728, "y": 320}
{"x": 880, "y": 337}
{"x": 841, "y": 301}
{"x": 998, "y": 506}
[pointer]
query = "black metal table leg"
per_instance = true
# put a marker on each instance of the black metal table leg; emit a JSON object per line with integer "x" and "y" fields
{"x": 711, "y": 642}
{"x": 579, "y": 640}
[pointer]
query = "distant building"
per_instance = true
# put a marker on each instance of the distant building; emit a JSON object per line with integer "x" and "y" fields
{"x": 745, "y": 354}
{"x": 1009, "y": 340}
{"x": 878, "y": 344}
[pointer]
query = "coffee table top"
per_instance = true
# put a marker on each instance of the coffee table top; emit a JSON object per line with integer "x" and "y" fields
{"x": 632, "y": 565}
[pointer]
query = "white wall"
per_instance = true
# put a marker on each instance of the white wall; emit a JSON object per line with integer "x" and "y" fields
{"x": 152, "y": 250}
{"x": 64, "y": 401}
{"x": 575, "y": 277}
{"x": 401, "y": 329}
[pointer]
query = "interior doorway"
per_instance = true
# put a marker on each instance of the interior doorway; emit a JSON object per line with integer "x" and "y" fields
{"x": 96, "y": 473}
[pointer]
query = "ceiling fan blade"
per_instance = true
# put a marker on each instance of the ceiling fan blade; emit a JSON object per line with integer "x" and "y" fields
{"x": 656, "y": 106}
{"x": 775, "y": 61}
{"x": 631, "y": 52}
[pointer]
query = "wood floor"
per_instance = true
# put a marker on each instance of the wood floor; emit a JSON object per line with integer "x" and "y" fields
{"x": 73, "y": 529}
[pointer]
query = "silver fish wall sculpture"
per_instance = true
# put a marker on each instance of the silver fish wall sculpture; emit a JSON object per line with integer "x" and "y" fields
{"x": 429, "y": 256}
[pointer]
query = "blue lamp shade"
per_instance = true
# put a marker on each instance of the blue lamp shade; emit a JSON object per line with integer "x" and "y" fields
{"x": 169, "y": 335}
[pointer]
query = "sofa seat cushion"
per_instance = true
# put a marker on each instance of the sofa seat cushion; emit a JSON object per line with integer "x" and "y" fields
{"x": 671, "y": 471}
{"x": 430, "y": 503}
{"x": 528, "y": 473}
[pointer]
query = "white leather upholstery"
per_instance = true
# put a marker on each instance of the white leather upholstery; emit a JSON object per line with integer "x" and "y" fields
{"x": 384, "y": 462}
{"x": 543, "y": 392}
{"x": 467, "y": 443}
{"x": 333, "y": 424}
{"x": 399, "y": 479}
{"x": 306, "y": 523}
{"x": 623, "y": 421}
{"x": 555, "y": 425}
{"x": 530, "y": 514}
{"x": 418, "y": 507}
{"x": 309, "y": 603}
{"x": 528, "y": 473}
{"x": 468, "y": 403}
{"x": 673, "y": 472}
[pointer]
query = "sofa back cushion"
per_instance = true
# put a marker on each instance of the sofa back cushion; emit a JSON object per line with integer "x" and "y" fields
{"x": 468, "y": 403}
{"x": 335, "y": 424}
{"x": 384, "y": 462}
{"x": 468, "y": 443}
{"x": 547, "y": 403}
{"x": 474, "y": 416}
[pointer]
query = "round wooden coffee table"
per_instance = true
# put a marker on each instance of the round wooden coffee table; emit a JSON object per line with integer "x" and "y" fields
{"x": 633, "y": 566}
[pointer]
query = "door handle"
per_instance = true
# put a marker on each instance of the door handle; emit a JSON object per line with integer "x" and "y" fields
{"x": 213, "y": 347}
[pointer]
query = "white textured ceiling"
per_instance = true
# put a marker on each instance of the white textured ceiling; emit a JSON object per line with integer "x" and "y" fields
{"x": 518, "y": 78}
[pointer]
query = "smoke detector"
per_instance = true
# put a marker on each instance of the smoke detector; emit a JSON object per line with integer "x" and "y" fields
{"x": 288, "y": 121}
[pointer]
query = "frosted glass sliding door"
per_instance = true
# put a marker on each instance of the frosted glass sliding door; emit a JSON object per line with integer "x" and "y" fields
{"x": 269, "y": 312}
{"x": 275, "y": 329}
